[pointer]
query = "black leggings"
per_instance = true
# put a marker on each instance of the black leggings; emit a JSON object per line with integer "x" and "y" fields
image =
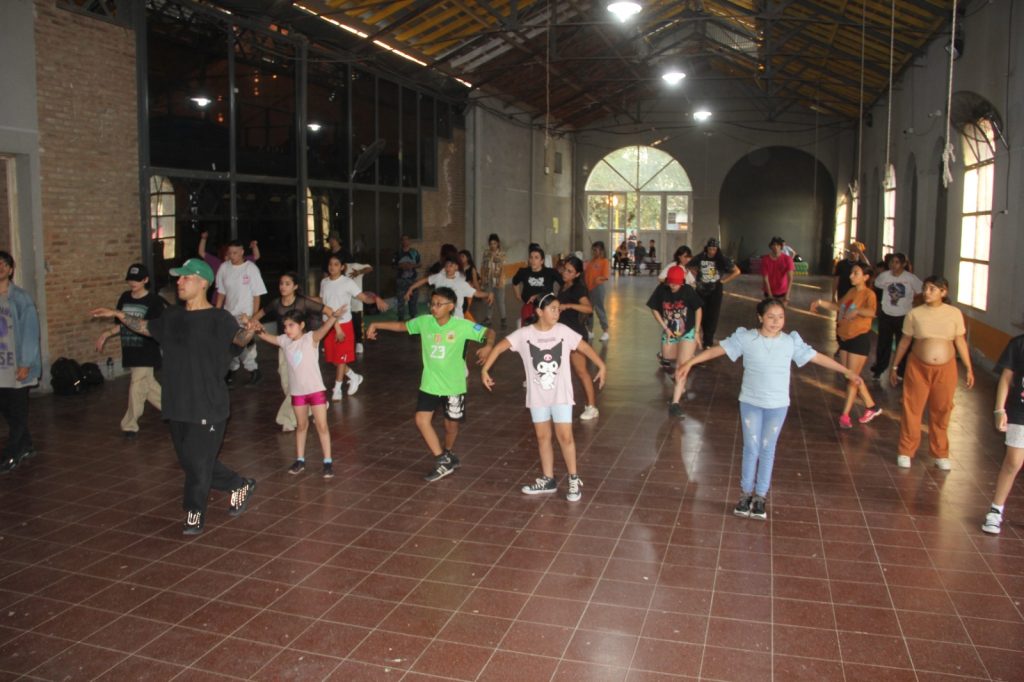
{"x": 197, "y": 446}
{"x": 14, "y": 406}
{"x": 709, "y": 317}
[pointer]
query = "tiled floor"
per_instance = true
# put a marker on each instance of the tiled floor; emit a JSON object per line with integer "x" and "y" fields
{"x": 863, "y": 572}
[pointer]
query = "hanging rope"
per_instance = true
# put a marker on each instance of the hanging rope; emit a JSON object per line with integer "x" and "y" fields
{"x": 888, "y": 180}
{"x": 547, "y": 84}
{"x": 948, "y": 155}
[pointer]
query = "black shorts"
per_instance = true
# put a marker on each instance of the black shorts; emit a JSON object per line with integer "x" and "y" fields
{"x": 858, "y": 345}
{"x": 454, "y": 405}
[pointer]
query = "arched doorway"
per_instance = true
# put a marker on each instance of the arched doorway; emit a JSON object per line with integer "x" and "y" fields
{"x": 778, "y": 191}
{"x": 639, "y": 194}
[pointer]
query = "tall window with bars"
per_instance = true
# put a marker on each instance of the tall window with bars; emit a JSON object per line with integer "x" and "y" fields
{"x": 841, "y": 235}
{"x": 162, "y": 215}
{"x": 979, "y": 143}
{"x": 889, "y": 206}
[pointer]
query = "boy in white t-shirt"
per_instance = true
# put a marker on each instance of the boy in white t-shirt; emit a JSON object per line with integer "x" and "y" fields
{"x": 453, "y": 279}
{"x": 239, "y": 287}
{"x": 899, "y": 289}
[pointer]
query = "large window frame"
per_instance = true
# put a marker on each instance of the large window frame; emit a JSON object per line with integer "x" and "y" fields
{"x": 841, "y": 235}
{"x": 889, "y": 211}
{"x": 162, "y": 215}
{"x": 979, "y": 153}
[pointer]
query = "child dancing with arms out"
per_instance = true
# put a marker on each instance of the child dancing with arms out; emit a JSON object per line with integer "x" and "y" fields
{"x": 545, "y": 347}
{"x": 1009, "y": 416}
{"x": 443, "y": 339}
{"x": 304, "y": 381}
{"x": 767, "y": 352}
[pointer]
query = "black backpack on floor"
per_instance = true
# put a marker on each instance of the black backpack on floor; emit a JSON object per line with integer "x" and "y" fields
{"x": 66, "y": 377}
{"x": 91, "y": 374}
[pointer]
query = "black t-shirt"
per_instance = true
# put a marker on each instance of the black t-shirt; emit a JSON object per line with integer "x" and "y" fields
{"x": 1013, "y": 359}
{"x": 536, "y": 283}
{"x": 842, "y": 271}
{"x": 138, "y": 350}
{"x": 198, "y": 348}
{"x": 310, "y": 309}
{"x": 572, "y": 318}
{"x": 710, "y": 270}
{"x": 677, "y": 308}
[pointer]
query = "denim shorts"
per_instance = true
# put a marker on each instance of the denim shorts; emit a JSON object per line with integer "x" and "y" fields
{"x": 672, "y": 340}
{"x": 560, "y": 414}
{"x": 1015, "y": 436}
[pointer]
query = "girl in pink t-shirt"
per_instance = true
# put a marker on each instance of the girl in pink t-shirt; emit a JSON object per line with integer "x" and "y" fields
{"x": 545, "y": 347}
{"x": 306, "y": 385}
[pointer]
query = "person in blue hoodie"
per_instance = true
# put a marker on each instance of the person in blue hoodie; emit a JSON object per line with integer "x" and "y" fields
{"x": 20, "y": 363}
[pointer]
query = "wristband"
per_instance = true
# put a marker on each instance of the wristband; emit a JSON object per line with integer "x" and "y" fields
{"x": 998, "y": 411}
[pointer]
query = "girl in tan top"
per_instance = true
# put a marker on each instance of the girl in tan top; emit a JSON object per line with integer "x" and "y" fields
{"x": 939, "y": 335}
{"x": 854, "y": 313}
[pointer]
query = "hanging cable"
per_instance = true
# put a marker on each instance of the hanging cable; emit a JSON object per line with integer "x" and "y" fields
{"x": 888, "y": 181}
{"x": 855, "y": 185}
{"x": 948, "y": 155}
{"x": 547, "y": 85}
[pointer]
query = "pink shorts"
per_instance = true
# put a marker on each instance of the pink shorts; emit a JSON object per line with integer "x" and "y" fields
{"x": 318, "y": 398}
{"x": 341, "y": 352}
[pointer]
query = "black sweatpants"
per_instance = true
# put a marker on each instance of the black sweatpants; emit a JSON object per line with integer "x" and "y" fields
{"x": 709, "y": 317}
{"x": 198, "y": 447}
{"x": 357, "y": 325}
{"x": 890, "y": 331}
{"x": 14, "y": 406}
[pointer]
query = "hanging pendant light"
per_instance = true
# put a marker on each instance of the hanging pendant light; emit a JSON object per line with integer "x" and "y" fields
{"x": 624, "y": 11}
{"x": 673, "y": 76}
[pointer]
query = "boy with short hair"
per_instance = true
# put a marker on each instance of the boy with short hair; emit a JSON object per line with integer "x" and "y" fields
{"x": 239, "y": 287}
{"x": 443, "y": 339}
{"x": 141, "y": 354}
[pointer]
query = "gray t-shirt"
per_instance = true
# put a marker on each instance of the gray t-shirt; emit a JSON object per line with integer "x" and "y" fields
{"x": 8, "y": 364}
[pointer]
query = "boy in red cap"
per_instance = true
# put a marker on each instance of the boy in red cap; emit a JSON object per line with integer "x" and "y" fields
{"x": 677, "y": 309}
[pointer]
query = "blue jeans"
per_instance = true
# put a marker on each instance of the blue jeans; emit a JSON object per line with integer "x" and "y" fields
{"x": 761, "y": 429}
{"x": 402, "y": 287}
{"x": 596, "y": 296}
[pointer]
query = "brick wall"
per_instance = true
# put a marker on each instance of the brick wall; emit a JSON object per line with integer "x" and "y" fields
{"x": 444, "y": 209}
{"x": 89, "y": 172}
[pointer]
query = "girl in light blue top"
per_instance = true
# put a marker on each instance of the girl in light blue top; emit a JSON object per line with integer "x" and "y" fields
{"x": 764, "y": 397}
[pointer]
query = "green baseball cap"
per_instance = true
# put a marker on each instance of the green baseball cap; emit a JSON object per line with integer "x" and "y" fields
{"x": 194, "y": 266}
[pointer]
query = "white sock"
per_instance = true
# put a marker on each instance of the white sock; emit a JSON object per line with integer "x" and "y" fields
{"x": 997, "y": 507}
{"x": 353, "y": 375}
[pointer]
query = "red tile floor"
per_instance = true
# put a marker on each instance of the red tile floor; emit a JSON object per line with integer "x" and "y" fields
{"x": 862, "y": 572}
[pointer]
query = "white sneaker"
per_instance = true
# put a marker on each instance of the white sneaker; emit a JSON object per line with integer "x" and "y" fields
{"x": 903, "y": 462}
{"x": 287, "y": 428}
{"x": 336, "y": 393}
{"x": 353, "y": 382}
{"x": 589, "y": 412}
{"x": 359, "y": 349}
{"x": 993, "y": 522}
{"x": 604, "y": 337}
{"x": 943, "y": 463}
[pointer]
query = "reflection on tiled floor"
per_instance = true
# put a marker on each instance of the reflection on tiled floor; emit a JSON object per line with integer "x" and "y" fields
{"x": 863, "y": 571}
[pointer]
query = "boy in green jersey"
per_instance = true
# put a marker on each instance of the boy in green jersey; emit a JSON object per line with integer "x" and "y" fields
{"x": 443, "y": 339}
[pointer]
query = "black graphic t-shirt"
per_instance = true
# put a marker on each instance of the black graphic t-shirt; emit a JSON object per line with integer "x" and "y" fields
{"x": 536, "y": 283}
{"x": 711, "y": 270}
{"x": 1013, "y": 359}
{"x": 677, "y": 308}
{"x": 138, "y": 350}
{"x": 572, "y": 318}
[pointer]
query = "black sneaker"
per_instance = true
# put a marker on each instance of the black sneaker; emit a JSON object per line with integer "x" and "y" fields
{"x": 240, "y": 497}
{"x": 194, "y": 521}
{"x": 255, "y": 377}
{"x": 743, "y": 507}
{"x": 446, "y": 464}
{"x": 297, "y": 467}
{"x": 328, "y": 469}
{"x": 230, "y": 378}
{"x": 130, "y": 434}
{"x": 675, "y": 410}
{"x": 757, "y": 510}
{"x": 542, "y": 485}
{"x": 8, "y": 464}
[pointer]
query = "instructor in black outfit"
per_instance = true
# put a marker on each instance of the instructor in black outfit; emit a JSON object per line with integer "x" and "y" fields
{"x": 198, "y": 342}
{"x": 714, "y": 271}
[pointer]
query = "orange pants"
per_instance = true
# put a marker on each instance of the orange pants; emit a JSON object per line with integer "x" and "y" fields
{"x": 932, "y": 386}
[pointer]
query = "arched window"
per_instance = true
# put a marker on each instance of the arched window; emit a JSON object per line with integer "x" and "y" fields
{"x": 318, "y": 222}
{"x": 979, "y": 143}
{"x": 889, "y": 208}
{"x": 639, "y": 189}
{"x": 842, "y": 233}
{"x": 161, "y": 216}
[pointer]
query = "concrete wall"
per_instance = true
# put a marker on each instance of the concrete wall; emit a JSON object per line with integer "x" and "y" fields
{"x": 514, "y": 189}
{"x": 988, "y": 67}
{"x": 444, "y": 209}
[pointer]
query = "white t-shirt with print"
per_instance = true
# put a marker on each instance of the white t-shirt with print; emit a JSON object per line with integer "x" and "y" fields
{"x": 339, "y": 292}
{"x": 898, "y": 292}
{"x": 459, "y": 285}
{"x": 545, "y": 357}
{"x": 239, "y": 284}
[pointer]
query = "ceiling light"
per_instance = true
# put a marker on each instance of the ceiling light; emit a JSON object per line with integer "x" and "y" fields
{"x": 624, "y": 11}
{"x": 701, "y": 115}
{"x": 673, "y": 77}
{"x": 201, "y": 102}
{"x": 314, "y": 127}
